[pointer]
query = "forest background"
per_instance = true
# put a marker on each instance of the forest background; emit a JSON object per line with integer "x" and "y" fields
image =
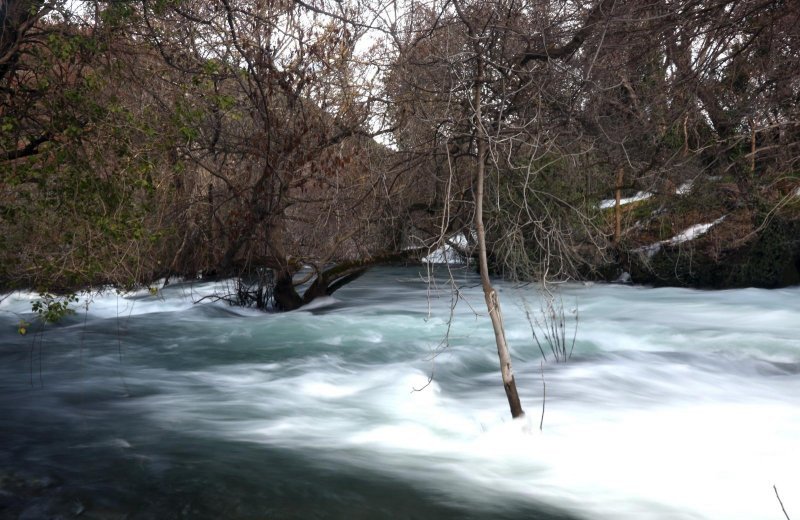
{"x": 288, "y": 144}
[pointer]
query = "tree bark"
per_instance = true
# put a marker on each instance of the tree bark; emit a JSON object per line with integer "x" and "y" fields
{"x": 489, "y": 293}
{"x": 286, "y": 297}
{"x": 16, "y": 18}
{"x": 618, "y": 207}
{"x": 330, "y": 280}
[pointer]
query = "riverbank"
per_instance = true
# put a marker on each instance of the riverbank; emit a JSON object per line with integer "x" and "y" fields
{"x": 709, "y": 236}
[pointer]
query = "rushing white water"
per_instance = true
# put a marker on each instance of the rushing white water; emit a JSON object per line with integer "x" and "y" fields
{"x": 676, "y": 404}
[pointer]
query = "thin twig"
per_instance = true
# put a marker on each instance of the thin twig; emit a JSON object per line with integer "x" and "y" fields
{"x": 544, "y": 395}
{"x": 780, "y": 502}
{"x": 533, "y": 331}
{"x": 575, "y": 333}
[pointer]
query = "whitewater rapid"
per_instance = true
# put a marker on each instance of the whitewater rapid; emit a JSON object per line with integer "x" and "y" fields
{"x": 676, "y": 404}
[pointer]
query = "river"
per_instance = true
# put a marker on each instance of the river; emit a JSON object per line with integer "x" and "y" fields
{"x": 676, "y": 404}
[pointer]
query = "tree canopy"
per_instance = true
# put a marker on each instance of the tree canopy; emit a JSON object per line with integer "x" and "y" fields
{"x": 145, "y": 139}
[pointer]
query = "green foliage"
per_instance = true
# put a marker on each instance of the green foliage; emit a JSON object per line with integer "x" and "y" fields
{"x": 225, "y": 102}
{"x": 7, "y": 125}
{"x": 187, "y": 119}
{"x": 52, "y": 309}
{"x": 673, "y": 138}
{"x": 117, "y": 13}
{"x": 64, "y": 47}
{"x": 72, "y": 212}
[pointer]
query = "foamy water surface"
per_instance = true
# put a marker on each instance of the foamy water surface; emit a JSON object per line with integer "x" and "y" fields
{"x": 676, "y": 404}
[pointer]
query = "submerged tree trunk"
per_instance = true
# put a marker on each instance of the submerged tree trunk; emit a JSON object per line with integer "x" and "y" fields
{"x": 489, "y": 293}
{"x": 284, "y": 294}
{"x": 330, "y": 280}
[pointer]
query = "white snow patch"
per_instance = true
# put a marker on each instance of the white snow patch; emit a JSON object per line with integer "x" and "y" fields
{"x": 685, "y": 188}
{"x": 649, "y": 251}
{"x": 625, "y": 277}
{"x": 693, "y": 232}
{"x": 687, "y": 234}
{"x": 610, "y": 203}
{"x": 447, "y": 254}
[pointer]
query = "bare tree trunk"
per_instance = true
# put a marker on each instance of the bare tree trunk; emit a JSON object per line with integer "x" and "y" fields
{"x": 490, "y": 295}
{"x": 752, "y": 147}
{"x": 618, "y": 208}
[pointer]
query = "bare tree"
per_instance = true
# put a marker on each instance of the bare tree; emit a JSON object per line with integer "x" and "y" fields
{"x": 480, "y": 79}
{"x": 279, "y": 139}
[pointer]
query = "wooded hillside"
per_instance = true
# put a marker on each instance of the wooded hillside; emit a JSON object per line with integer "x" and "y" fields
{"x": 254, "y": 139}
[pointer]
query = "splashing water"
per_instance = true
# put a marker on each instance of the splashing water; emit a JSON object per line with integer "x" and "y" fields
{"x": 676, "y": 404}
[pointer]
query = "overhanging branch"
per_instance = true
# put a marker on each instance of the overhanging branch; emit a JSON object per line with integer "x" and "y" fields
{"x": 601, "y": 10}
{"x": 32, "y": 148}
